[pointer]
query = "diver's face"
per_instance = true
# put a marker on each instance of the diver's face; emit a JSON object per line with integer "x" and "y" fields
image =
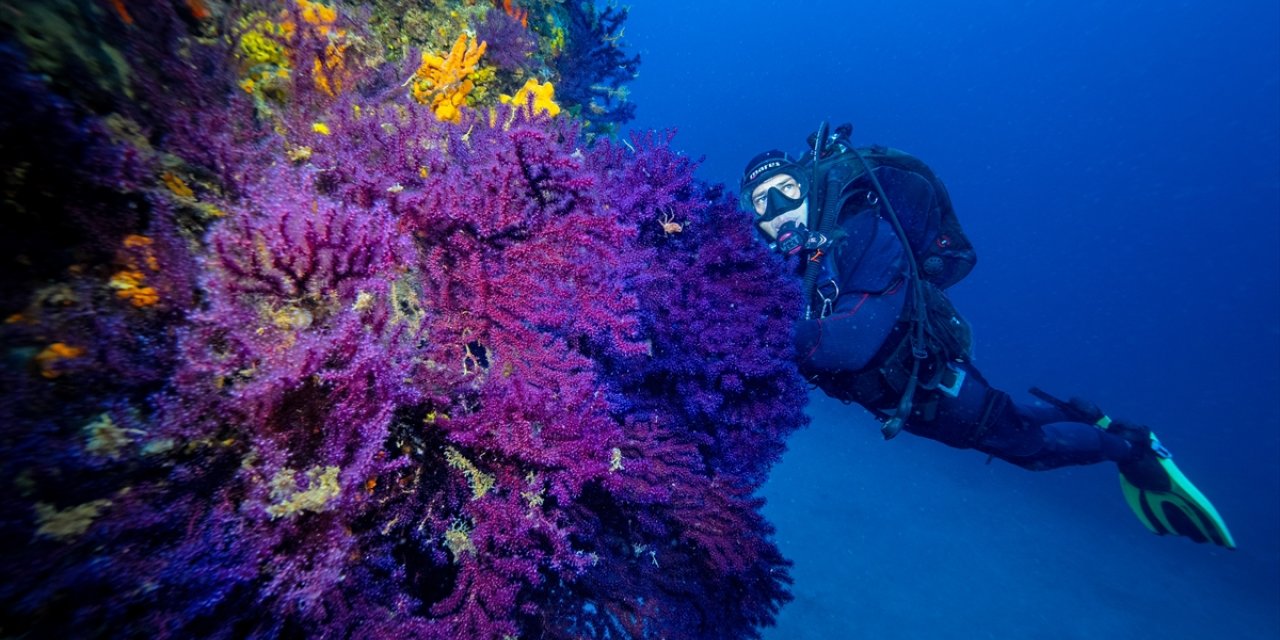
{"x": 788, "y": 186}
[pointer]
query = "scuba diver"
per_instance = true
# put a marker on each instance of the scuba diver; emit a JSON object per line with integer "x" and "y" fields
{"x": 874, "y": 234}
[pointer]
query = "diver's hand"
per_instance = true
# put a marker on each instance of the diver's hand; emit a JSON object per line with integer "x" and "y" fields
{"x": 1088, "y": 411}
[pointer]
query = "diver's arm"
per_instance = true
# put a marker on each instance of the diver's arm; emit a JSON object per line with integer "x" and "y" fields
{"x": 847, "y": 339}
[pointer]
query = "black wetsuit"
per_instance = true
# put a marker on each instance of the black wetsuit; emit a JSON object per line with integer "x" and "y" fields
{"x": 853, "y": 352}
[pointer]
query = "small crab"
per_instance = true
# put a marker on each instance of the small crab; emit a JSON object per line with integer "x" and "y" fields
{"x": 669, "y": 224}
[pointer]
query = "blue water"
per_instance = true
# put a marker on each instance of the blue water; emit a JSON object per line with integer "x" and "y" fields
{"x": 1118, "y": 167}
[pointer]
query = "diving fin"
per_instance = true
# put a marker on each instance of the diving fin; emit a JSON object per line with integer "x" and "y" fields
{"x": 1167, "y": 502}
{"x": 1164, "y": 500}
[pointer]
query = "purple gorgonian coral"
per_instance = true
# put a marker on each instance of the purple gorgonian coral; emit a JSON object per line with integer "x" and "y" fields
{"x": 408, "y": 379}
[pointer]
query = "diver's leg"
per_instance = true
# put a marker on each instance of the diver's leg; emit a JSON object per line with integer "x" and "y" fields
{"x": 1039, "y": 437}
{"x": 1031, "y": 436}
{"x": 1068, "y": 443}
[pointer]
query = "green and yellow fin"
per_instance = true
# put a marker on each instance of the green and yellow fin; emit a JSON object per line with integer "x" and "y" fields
{"x": 1168, "y": 503}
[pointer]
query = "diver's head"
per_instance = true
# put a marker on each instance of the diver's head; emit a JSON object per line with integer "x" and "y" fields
{"x": 774, "y": 188}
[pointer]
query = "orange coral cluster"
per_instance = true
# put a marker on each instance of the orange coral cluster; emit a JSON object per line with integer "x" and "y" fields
{"x": 519, "y": 14}
{"x": 121, "y": 11}
{"x": 263, "y": 46}
{"x": 199, "y": 9}
{"x": 48, "y": 358}
{"x": 128, "y": 282}
{"x": 445, "y": 82}
{"x": 177, "y": 185}
{"x": 328, "y": 72}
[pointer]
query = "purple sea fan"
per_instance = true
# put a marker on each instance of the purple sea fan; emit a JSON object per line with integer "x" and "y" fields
{"x": 294, "y": 371}
{"x": 543, "y": 281}
{"x": 483, "y": 371}
{"x": 411, "y": 374}
{"x": 718, "y": 306}
{"x": 437, "y": 381}
{"x": 522, "y": 205}
{"x": 285, "y": 283}
{"x": 593, "y": 68}
{"x": 511, "y": 45}
{"x": 704, "y": 419}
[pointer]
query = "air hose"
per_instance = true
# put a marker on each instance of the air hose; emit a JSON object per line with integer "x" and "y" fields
{"x": 832, "y": 187}
{"x": 919, "y": 314}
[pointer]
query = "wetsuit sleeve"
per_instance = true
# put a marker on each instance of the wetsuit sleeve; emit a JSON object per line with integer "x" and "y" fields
{"x": 847, "y": 339}
{"x": 869, "y": 271}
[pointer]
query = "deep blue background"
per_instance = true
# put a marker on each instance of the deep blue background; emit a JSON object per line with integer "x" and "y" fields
{"x": 1118, "y": 167}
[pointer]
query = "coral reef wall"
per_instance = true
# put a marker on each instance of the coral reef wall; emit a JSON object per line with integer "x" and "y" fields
{"x": 360, "y": 320}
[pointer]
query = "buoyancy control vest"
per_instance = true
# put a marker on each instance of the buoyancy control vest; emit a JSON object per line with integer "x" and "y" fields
{"x": 938, "y": 251}
{"x": 942, "y": 252}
